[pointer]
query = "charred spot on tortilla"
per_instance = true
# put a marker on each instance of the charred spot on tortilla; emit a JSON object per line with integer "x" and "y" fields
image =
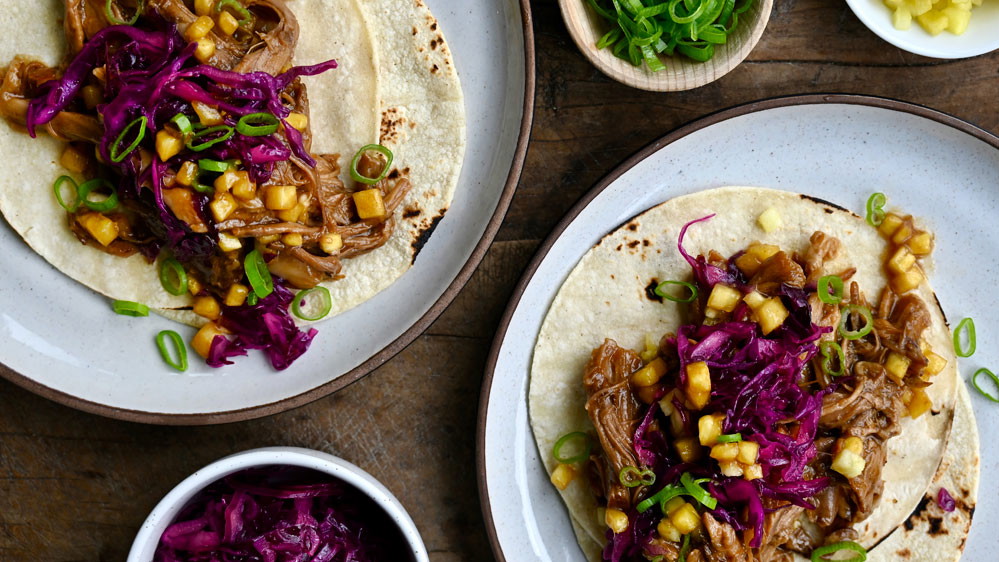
{"x": 411, "y": 212}
{"x": 827, "y": 204}
{"x": 650, "y": 290}
{"x": 940, "y": 308}
{"x": 633, "y": 244}
{"x": 424, "y": 235}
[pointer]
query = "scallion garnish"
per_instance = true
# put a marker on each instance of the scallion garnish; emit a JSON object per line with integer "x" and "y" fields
{"x": 104, "y": 205}
{"x": 684, "y": 549}
{"x": 632, "y": 477}
{"x": 966, "y": 326}
{"x": 358, "y": 177}
{"x": 832, "y": 352}
{"x": 695, "y": 490}
{"x": 180, "y": 350}
{"x": 129, "y": 308}
{"x": 184, "y": 125}
{"x": 226, "y": 133}
{"x": 819, "y": 554}
{"x": 139, "y": 8}
{"x": 252, "y": 299}
{"x": 117, "y": 154}
{"x": 876, "y": 209}
{"x": 57, "y": 187}
{"x": 584, "y": 447}
{"x": 729, "y": 438}
{"x": 173, "y": 277}
{"x": 995, "y": 381}
{"x": 257, "y": 274}
{"x": 847, "y": 312}
{"x": 257, "y": 125}
{"x": 216, "y": 166}
{"x": 245, "y": 17}
{"x": 833, "y": 282}
{"x": 691, "y": 288}
{"x": 668, "y": 492}
{"x": 312, "y": 304}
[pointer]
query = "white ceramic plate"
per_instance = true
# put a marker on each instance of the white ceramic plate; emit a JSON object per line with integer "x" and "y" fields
{"x": 839, "y": 148}
{"x": 62, "y": 341}
{"x": 980, "y": 38}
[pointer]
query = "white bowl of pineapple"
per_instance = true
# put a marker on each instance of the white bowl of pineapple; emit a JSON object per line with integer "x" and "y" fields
{"x": 945, "y": 29}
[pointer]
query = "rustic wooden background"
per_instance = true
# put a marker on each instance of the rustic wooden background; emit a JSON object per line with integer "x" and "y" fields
{"x": 76, "y": 487}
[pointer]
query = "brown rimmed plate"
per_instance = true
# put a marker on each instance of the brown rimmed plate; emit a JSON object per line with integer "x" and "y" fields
{"x": 836, "y": 147}
{"x": 60, "y": 340}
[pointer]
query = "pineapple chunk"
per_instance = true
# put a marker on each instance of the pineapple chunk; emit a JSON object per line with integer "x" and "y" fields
{"x": 897, "y": 365}
{"x": 673, "y": 505}
{"x": 667, "y": 531}
{"x": 103, "y": 229}
{"x": 902, "y": 260}
{"x": 709, "y": 428}
{"x": 919, "y": 403}
{"x": 753, "y": 472}
{"x": 905, "y": 282}
{"x": 750, "y": 261}
{"x": 901, "y": 19}
{"x": 957, "y": 19}
{"x": 921, "y": 243}
{"x": 207, "y": 307}
{"x": 731, "y": 468}
{"x": 370, "y": 204}
{"x": 934, "y": 364}
{"x": 685, "y": 519}
{"x": 222, "y": 206}
{"x": 725, "y": 451}
{"x": 920, "y": 7}
{"x": 202, "y": 341}
{"x": 698, "y": 387}
{"x": 649, "y": 374}
{"x": 934, "y": 22}
{"x": 891, "y": 221}
{"x": 748, "y": 451}
{"x": 770, "y": 220}
{"x": 848, "y": 461}
{"x": 755, "y": 300}
{"x": 563, "y": 475}
{"x": 688, "y": 448}
{"x": 724, "y": 298}
{"x": 771, "y": 314}
{"x": 617, "y": 520}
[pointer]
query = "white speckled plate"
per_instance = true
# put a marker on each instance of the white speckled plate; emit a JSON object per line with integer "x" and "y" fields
{"x": 61, "y": 340}
{"x": 839, "y": 148}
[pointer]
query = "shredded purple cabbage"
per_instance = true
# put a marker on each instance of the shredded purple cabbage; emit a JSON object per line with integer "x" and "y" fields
{"x": 279, "y": 514}
{"x": 946, "y": 501}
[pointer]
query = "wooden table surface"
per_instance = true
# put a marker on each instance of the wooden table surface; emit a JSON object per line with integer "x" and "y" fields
{"x": 74, "y": 486}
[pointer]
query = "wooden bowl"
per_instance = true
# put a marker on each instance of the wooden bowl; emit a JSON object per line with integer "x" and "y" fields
{"x": 681, "y": 73}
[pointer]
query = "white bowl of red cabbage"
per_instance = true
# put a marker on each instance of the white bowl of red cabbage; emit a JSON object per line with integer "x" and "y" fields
{"x": 279, "y": 504}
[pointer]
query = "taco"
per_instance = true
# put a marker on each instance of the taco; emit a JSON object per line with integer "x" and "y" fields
{"x": 751, "y": 374}
{"x": 322, "y": 141}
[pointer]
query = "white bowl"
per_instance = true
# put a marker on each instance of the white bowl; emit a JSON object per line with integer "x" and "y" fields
{"x": 164, "y": 513}
{"x": 980, "y": 38}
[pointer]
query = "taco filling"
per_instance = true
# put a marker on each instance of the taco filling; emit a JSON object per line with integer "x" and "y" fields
{"x": 189, "y": 143}
{"x": 760, "y": 427}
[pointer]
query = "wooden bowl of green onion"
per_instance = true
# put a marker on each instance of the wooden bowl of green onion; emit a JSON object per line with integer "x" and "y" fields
{"x": 666, "y": 45}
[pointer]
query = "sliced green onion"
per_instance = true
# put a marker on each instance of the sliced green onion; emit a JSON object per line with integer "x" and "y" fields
{"x": 227, "y": 133}
{"x": 257, "y": 125}
{"x": 695, "y": 490}
{"x": 129, "y": 308}
{"x": 139, "y": 8}
{"x": 356, "y": 176}
{"x": 632, "y": 477}
{"x": 819, "y": 554}
{"x": 257, "y": 274}
{"x": 312, "y": 304}
{"x": 183, "y": 123}
{"x": 202, "y": 187}
{"x": 833, "y": 282}
{"x": 173, "y": 277}
{"x": 995, "y": 381}
{"x": 845, "y": 318}
{"x": 691, "y": 288}
{"x": 252, "y": 299}
{"x": 684, "y": 548}
{"x": 117, "y": 154}
{"x": 876, "y": 209}
{"x": 57, "y": 187}
{"x": 104, "y": 205}
{"x": 209, "y": 165}
{"x": 244, "y": 15}
{"x": 668, "y": 492}
{"x": 965, "y": 326}
{"x": 831, "y": 351}
{"x": 180, "y": 350}
{"x": 729, "y": 438}
{"x": 584, "y": 453}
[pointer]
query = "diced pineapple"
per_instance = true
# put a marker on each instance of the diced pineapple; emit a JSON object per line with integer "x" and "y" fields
{"x": 167, "y": 145}
{"x": 229, "y": 243}
{"x": 771, "y": 315}
{"x": 647, "y": 394}
{"x": 187, "y": 173}
{"x": 651, "y": 348}
{"x": 563, "y": 475}
{"x": 902, "y": 234}
{"x": 73, "y": 160}
{"x": 331, "y": 243}
{"x": 725, "y": 451}
{"x": 298, "y": 120}
{"x": 709, "y": 428}
{"x": 724, "y": 298}
{"x": 202, "y": 341}
{"x": 754, "y": 256}
{"x": 934, "y": 364}
{"x": 957, "y": 19}
{"x": 897, "y": 365}
{"x": 919, "y": 403}
{"x": 103, "y": 229}
{"x": 280, "y": 197}
{"x": 905, "y": 282}
{"x": 890, "y": 223}
{"x": 748, "y": 451}
{"x": 763, "y": 252}
{"x": 685, "y": 519}
{"x": 934, "y": 23}
{"x": 688, "y": 448}
{"x": 673, "y": 505}
{"x": 222, "y": 206}
{"x": 649, "y": 374}
{"x": 208, "y": 115}
{"x": 225, "y": 182}
{"x": 770, "y": 220}
{"x": 755, "y": 299}
{"x": 919, "y": 7}
{"x": 901, "y": 18}
{"x": 617, "y": 520}
{"x": 902, "y": 260}
{"x": 698, "y": 387}
{"x": 731, "y": 468}
{"x": 207, "y": 307}
{"x": 667, "y": 531}
{"x": 228, "y": 23}
{"x": 895, "y": 4}
{"x": 753, "y": 472}
{"x": 921, "y": 243}
{"x": 236, "y": 295}
{"x": 848, "y": 461}
{"x": 369, "y": 203}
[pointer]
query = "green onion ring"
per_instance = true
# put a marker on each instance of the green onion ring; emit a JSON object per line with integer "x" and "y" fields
{"x": 202, "y": 187}
{"x": 729, "y": 438}
{"x": 836, "y": 283}
{"x": 697, "y": 492}
{"x": 252, "y": 299}
{"x": 108, "y": 204}
{"x": 173, "y": 277}
{"x": 356, "y": 176}
{"x": 178, "y": 344}
{"x": 632, "y": 477}
{"x": 257, "y": 125}
{"x": 183, "y": 123}
{"x": 965, "y": 326}
{"x": 57, "y": 187}
{"x": 868, "y": 322}
{"x": 818, "y": 555}
{"x": 684, "y": 548}
{"x": 991, "y": 375}
{"x": 227, "y": 133}
{"x": 685, "y": 19}
{"x": 320, "y": 311}
{"x": 574, "y": 436}
{"x": 257, "y": 274}
{"x": 139, "y": 8}
{"x": 876, "y": 209}
{"x": 667, "y": 493}
{"x": 827, "y": 349}
{"x": 245, "y": 16}
{"x": 129, "y": 308}
{"x": 660, "y": 290}
{"x": 209, "y": 165}
{"x": 116, "y": 155}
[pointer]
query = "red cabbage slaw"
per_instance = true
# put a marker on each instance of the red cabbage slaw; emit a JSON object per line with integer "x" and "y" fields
{"x": 280, "y": 514}
{"x": 152, "y": 74}
{"x": 755, "y": 384}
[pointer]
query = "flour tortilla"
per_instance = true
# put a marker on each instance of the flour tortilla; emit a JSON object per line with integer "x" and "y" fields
{"x": 605, "y": 297}
{"x": 396, "y": 85}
